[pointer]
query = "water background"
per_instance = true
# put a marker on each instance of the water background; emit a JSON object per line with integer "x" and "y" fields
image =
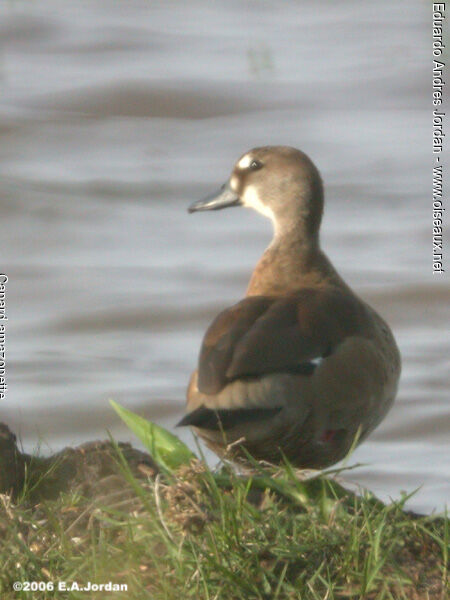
{"x": 115, "y": 116}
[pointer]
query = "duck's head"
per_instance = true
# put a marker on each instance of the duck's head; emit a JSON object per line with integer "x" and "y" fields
{"x": 280, "y": 182}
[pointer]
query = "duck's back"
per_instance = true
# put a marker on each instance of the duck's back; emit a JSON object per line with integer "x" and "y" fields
{"x": 300, "y": 375}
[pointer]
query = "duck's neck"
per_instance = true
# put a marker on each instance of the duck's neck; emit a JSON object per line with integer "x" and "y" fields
{"x": 293, "y": 261}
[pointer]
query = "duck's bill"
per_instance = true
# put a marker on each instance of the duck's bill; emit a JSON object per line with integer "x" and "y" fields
{"x": 224, "y": 198}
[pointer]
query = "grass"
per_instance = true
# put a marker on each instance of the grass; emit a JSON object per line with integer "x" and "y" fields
{"x": 193, "y": 533}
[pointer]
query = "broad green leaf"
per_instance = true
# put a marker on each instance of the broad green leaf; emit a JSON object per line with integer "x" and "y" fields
{"x": 167, "y": 450}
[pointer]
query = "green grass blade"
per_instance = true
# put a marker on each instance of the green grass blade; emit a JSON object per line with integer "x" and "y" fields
{"x": 165, "y": 448}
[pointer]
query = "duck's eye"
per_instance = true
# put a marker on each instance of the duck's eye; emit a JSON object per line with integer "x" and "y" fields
{"x": 255, "y": 165}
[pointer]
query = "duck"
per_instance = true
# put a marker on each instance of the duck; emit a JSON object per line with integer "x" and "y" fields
{"x": 301, "y": 369}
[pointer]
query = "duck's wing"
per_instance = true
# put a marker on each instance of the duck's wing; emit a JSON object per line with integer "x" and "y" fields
{"x": 261, "y": 335}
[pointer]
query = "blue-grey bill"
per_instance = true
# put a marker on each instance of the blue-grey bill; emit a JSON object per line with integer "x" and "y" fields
{"x": 224, "y": 198}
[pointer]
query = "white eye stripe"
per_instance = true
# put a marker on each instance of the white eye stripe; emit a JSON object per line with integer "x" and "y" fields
{"x": 245, "y": 161}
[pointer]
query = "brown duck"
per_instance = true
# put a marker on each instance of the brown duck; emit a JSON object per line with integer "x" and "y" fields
{"x": 301, "y": 367}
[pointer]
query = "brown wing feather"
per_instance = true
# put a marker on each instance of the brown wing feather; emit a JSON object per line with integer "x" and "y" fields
{"x": 265, "y": 334}
{"x": 222, "y": 338}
